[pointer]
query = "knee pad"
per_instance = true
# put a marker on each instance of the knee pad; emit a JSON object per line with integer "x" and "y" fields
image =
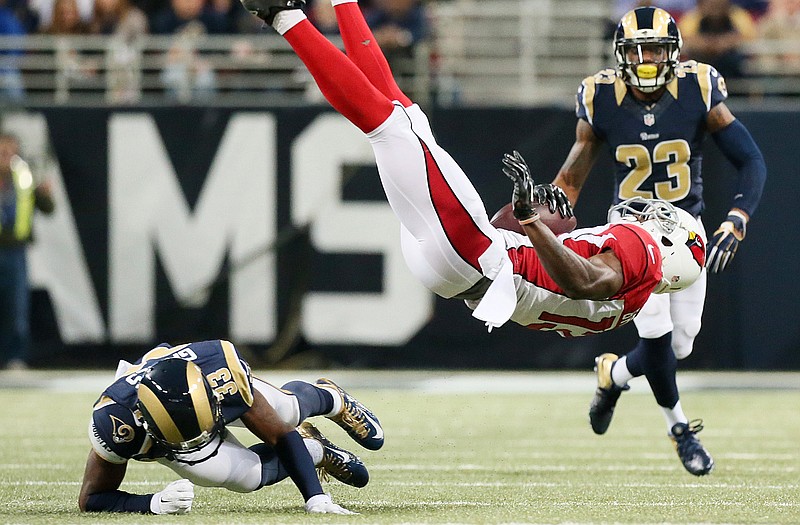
{"x": 683, "y": 338}
{"x": 682, "y": 344}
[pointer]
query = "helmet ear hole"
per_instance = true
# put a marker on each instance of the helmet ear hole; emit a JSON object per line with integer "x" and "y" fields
{"x": 665, "y": 241}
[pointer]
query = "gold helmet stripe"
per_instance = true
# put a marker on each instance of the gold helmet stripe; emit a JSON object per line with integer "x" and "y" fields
{"x": 629, "y": 24}
{"x": 200, "y": 401}
{"x": 238, "y": 372}
{"x": 660, "y": 23}
{"x": 661, "y": 20}
{"x": 160, "y": 415}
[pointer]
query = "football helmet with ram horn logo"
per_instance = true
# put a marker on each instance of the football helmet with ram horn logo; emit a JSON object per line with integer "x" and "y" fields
{"x": 677, "y": 234}
{"x": 179, "y": 409}
{"x": 647, "y": 46}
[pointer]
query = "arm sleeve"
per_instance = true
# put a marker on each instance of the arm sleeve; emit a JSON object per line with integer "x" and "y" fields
{"x": 740, "y": 149}
{"x": 119, "y": 501}
{"x": 294, "y": 456}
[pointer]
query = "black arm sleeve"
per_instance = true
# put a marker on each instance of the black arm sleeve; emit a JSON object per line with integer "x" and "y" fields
{"x": 740, "y": 149}
{"x": 119, "y": 501}
{"x": 295, "y": 458}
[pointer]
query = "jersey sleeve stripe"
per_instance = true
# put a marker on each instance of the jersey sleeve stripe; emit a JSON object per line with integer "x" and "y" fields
{"x": 589, "y": 89}
{"x": 238, "y": 372}
{"x": 704, "y": 81}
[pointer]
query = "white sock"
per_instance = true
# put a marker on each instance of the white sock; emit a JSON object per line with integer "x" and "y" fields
{"x": 314, "y": 450}
{"x": 338, "y": 404}
{"x": 287, "y": 19}
{"x": 334, "y": 3}
{"x": 674, "y": 415}
{"x": 620, "y": 374}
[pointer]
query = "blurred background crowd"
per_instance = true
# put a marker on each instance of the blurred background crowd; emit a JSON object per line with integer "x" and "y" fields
{"x": 724, "y": 33}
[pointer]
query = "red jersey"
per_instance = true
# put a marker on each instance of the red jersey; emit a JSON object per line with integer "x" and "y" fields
{"x": 542, "y": 304}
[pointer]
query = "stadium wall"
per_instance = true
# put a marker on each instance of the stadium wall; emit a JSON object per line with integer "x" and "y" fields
{"x": 270, "y": 228}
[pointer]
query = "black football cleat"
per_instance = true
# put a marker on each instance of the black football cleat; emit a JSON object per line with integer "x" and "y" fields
{"x": 693, "y": 454}
{"x": 356, "y": 419}
{"x": 336, "y": 461}
{"x": 601, "y": 409}
{"x": 267, "y": 9}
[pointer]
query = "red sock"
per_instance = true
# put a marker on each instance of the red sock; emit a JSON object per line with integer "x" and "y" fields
{"x": 359, "y": 42}
{"x": 341, "y": 82}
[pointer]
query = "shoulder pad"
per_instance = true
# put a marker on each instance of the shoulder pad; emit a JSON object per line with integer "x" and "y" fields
{"x": 114, "y": 431}
{"x": 705, "y": 78}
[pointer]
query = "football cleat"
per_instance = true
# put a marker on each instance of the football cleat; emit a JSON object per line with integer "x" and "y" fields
{"x": 693, "y": 454}
{"x": 601, "y": 409}
{"x": 336, "y": 462}
{"x": 267, "y": 9}
{"x": 356, "y": 419}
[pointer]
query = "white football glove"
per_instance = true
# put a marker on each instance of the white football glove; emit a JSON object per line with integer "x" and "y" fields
{"x": 322, "y": 504}
{"x": 176, "y": 498}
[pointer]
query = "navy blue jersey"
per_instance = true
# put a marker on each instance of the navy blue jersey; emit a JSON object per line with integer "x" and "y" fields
{"x": 116, "y": 430}
{"x": 656, "y": 148}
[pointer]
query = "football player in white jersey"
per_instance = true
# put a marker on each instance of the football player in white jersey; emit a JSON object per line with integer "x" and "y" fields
{"x": 653, "y": 113}
{"x": 584, "y": 282}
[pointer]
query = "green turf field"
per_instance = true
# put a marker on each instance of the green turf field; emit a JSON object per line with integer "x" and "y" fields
{"x": 462, "y": 456}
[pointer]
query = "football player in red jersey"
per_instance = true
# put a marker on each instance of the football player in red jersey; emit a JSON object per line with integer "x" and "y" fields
{"x": 585, "y": 282}
{"x": 653, "y": 113}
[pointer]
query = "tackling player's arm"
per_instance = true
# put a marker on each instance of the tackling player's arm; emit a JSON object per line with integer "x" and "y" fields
{"x": 579, "y": 162}
{"x": 265, "y": 423}
{"x": 101, "y": 477}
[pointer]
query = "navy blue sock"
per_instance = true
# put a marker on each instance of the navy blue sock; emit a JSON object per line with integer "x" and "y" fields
{"x": 313, "y": 401}
{"x": 654, "y": 359}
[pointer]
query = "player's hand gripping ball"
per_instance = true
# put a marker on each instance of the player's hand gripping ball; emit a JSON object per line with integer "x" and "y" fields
{"x": 504, "y": 218}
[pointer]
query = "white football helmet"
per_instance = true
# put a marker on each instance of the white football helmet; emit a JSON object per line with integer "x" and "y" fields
{"x": 677, "y": 234}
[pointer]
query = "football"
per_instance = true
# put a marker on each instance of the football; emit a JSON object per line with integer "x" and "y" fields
{"x": 504, "y": 218}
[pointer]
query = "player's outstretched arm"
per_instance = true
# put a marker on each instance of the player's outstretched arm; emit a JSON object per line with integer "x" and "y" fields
{"x": 100, "y": 492}
{"x": 598, "y": 277}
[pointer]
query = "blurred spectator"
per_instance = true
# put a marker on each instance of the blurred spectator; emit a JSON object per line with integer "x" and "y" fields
{"x": 713, "y": 33}
{"x": 179, "y": 13}
{"x": 756, "y": 8}
{"x": 781, "y": 25}
{"x": 66, "y": 19}
{"x": 186, "y": 74}
{"x": 118, "y": 18}
{"x": 20, "y": 193}
{"x": 11, "y": 87}
{"x": 46, "y": 11}
{"x": 782, "y": 21}
{"x": 28, "y": 17}
{"x": 125, "y": 23}
{"x": 398, "y": 25}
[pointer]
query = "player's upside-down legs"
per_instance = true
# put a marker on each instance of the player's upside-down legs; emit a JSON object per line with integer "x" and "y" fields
{"x": 448, "y": 241}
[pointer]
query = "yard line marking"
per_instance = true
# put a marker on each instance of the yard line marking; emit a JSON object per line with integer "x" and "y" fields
{"x": 558, "y": 468}
{"x": 499, "y": 484}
